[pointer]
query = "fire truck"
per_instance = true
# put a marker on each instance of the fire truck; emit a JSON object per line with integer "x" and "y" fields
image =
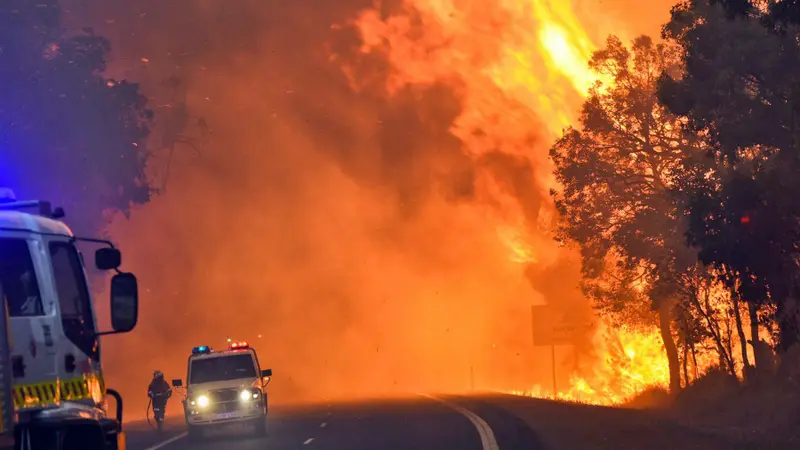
{"x": 52, "y": 391}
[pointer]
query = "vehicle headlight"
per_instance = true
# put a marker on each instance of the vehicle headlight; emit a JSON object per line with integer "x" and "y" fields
{"x": 202, "y": 401}
{"x": 246, "y": 395}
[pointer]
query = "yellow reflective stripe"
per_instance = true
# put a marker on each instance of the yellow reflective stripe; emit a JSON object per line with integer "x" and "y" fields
{"x": 33, "y": 395}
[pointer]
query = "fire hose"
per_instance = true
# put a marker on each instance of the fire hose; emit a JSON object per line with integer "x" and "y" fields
{"x": 147, "y": 413}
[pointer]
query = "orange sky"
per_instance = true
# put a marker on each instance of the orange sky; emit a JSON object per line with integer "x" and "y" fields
{"x": 371, "y": 220}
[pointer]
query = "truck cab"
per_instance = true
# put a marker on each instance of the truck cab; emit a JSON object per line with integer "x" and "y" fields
{"x": 51, "y": 348}
{"x": 225, "y": 387}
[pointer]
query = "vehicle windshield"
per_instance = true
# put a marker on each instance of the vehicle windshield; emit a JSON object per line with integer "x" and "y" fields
{"x": 18, "y": 278}
{"x": 222, "y": 368}
{"x": 73, "y": 298}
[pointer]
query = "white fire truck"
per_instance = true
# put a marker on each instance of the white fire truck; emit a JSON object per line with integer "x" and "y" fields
{"x": 51, "y": 379}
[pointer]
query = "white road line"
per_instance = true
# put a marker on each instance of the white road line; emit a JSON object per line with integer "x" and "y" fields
{"x": 308, "y": 441}
{"x": 488, "y": 441}
{"x": 323, "y": 425}
{"x": 168, "y": 441}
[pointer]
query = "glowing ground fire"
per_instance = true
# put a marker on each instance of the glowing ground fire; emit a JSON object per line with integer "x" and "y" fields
{"x": 632, "y": 362}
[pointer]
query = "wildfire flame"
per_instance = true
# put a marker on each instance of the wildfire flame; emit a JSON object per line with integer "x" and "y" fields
{"x": 632, "y": 361}
{"x": 522, "y": 69}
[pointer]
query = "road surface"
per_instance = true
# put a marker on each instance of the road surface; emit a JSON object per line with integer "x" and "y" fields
{"x": 446, "y": 423}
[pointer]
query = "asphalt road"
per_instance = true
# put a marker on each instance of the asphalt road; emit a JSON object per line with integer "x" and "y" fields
{"x": 457, "y": 423}
{"x": 418, "y": 423}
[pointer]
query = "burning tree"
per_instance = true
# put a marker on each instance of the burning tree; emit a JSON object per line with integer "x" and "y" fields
{"x": 621, "y": 174}
{"x": 740, "y": 88}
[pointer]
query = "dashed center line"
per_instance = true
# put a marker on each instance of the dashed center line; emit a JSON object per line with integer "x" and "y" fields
{"x": 168, "y": 441}
{"x": 323, "y": 425}
{"x": 308, "y": 441}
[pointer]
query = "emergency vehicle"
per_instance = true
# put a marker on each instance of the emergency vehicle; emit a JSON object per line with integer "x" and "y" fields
{"x": 225, "y": 387}
{"x": 54, "y": 391}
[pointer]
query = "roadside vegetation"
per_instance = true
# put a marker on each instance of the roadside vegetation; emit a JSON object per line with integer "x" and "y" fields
{"x": 70, "y": 132}
{"x": 679, "y": 186}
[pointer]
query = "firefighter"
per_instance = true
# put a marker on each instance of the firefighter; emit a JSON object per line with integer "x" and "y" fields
{"x": 159, "y": 392}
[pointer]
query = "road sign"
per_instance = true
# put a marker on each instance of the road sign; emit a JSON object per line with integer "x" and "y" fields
{"x": 553, "y": 327}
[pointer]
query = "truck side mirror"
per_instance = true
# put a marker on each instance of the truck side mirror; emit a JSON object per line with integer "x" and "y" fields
{"x": 107, "y": 258}
{"x": 177, "y": 383}
{"x": 266, "y": 373}
{"x": 124, "y": 302}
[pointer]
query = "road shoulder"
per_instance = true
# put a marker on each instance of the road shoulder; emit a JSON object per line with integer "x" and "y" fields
{"x": 141, "y": 436}
{"x": 510, "y": 431}
{"x": 563, "y": 426}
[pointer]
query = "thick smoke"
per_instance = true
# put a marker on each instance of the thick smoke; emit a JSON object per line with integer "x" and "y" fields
{"x": 343, "y": 233}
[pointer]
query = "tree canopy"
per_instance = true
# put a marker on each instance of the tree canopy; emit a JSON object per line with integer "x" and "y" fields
{"x": 67, "y": 133}
{"x": 618, "y": 172}
{"x": 740, "y": 87}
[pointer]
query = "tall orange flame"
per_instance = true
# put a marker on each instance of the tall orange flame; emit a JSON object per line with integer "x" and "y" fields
{"x": 522, "y": 68}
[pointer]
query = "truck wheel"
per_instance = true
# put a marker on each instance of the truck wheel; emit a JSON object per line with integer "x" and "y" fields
{"x": 88, "y": 437}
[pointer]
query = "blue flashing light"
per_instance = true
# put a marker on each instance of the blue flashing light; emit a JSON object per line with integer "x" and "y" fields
{"x": 7, "y": 195}
{"x": 201, "y": 349}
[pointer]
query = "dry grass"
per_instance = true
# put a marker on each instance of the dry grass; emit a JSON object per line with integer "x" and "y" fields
{"x": 570, "y": 426}
{"x": 766, "y": 414}
{"x": 716, "y": 412}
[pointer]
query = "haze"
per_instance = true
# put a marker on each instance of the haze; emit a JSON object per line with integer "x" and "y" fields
{"x": 349, "y": 236}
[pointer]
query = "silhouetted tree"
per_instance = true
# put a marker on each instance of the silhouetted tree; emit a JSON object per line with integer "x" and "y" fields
{"x": 619, "y": 173}
{"x": 741, "y": 88}
{"x": 67, "y": 134}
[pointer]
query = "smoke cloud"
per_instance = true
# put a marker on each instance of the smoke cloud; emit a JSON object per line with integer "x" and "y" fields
{"x": 347, "y": 234}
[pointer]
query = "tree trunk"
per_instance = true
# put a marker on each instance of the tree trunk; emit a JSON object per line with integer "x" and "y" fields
{"x": 729, "y": 349}
{"x": 704, "y": 309}
{"x": 685, "y": 363}
{"x": 686, "y": 338}
{"x": 694, "y": 362}
{"x": 665, "y": 322}
{"x": 786, "y": 315}
{"x": 737, "y": 314}
{"x": 786, "y": 326}
{"x": 752, "y": 311}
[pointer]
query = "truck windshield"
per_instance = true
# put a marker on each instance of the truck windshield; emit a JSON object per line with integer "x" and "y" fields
{"x": 222, "y": 368}
{"x": 73, "y": 298}
{"x": 18, "y": 277}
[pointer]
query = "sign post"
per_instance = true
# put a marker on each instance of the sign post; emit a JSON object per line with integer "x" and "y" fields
{"x": 553, "y": 361}
{"x": 472, "y": 378}
{"x": 550, "y": 328}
